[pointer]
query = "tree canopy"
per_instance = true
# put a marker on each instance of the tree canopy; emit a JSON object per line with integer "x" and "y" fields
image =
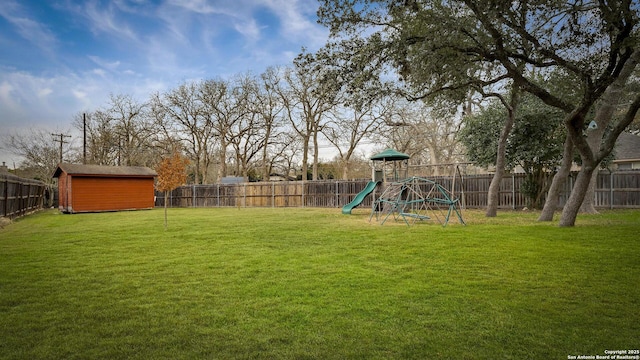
{"x": 533, "y": 122}
{"x": 171, "y": 174}
{"x": 450, "y": 48}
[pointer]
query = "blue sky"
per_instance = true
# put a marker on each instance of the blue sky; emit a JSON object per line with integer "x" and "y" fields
{"x": 62, "y": 57}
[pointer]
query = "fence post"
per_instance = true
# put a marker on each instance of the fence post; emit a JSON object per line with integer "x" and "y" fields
{"x": 19, "y": 210}
{"x": 337, "y": 194}
{"x": 611, "y": 190}
{"x": 273, "y": 194}
{"x": 193, "y": 196}
{"x": 27, "y": 204}
{"x": 6, "y": 196}
{"x": 513, "y": 191}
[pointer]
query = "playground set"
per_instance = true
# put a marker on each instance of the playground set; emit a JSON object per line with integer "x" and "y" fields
{"x": 404, "y": 198}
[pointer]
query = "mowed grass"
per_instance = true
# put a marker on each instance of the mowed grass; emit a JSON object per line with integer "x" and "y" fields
{"x": 316, "y": 284}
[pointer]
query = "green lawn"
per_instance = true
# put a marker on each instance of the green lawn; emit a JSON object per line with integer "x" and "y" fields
{"x": 316, "y": 284}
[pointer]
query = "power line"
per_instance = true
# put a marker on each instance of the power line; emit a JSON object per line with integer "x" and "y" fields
{"x": 61, "y": 141}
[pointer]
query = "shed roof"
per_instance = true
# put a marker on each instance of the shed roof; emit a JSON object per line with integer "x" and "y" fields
{"x": 102, "y": 170}
{"x": 390, "y": 155}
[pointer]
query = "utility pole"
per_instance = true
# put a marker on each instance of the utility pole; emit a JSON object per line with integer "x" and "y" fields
{"x": 84, "y": 138}
{"x": 61, "y": 141}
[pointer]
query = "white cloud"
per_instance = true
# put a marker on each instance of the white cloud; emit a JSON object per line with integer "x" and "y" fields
{"x": 28, "y": 28}
{"x": 32, "y": 101}
{"x": 112, "y": 66}
{"x": 175, "y": 41}
{"x": 249, "y": 28}
{"x": 8, "y": 100}
{"x": 80, "y": 95}
{"x": 296, "y": 21}
{"x": 264, "y": 44}
{"x": 196, "y": 6}
{"x": 105, "y": 21}
{"x": 44, "y": 92}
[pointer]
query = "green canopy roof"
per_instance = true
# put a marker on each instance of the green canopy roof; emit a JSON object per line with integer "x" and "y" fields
{"x": 390, "y": 155}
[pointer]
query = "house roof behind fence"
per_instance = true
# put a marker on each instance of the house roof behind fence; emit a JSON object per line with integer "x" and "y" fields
{"x": 101, "y": 170}
{"x": 7, "y": 176}
{"x": 627, "y": 147}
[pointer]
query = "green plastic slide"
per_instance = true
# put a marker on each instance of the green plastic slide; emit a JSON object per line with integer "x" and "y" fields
{"x": 358, "y": 199}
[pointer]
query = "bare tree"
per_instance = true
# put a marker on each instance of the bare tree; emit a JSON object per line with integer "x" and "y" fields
{"x": 185, "y": 116}
{"x": 101, "y": 139}
{"x": 268, "y": 106}
{"x": 132, "y": 130}
{"x": 164, "y": 137}
{"x": 286, "y": 149}
{"x": 310, "y": 94}
{"x": 256, "y": 132}
{"x": 225, "y": 103}
{"x": 426, "y": 133}
{"x": 348, "y": 126}
{"x": 118, "y": 133}
{"x": 41, "y": 154}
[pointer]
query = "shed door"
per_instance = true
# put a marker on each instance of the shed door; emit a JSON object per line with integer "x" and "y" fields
{"x": 105, "y": 194}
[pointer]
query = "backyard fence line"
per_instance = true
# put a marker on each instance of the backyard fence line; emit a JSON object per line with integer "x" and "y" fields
{"x": 19, "y": 196}
{"x": 614, "y": 190}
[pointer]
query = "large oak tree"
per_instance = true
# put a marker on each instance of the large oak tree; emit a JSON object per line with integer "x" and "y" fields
{"x": 442, "y": 47}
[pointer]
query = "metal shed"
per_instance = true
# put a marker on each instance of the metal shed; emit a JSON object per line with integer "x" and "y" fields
{"x": 95, "y": 188}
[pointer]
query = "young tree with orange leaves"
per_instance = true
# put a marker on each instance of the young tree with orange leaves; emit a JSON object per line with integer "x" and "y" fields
{"x": 171, "y": 174}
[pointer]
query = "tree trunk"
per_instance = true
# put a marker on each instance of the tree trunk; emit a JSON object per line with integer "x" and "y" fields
{"x": 206, "y": 162}
{"x": 434, "y": 159}
{"x": 305, "y": 158}
{"x": 196, "y": 168}
{"x": 345, "y": 169}
{"x": 222, "y": 168}
{"x": 594, "y": 138}
{"x": 494, "y": 193}
{"x": 493, "y": 197}
{"x": 604, "y": 113}
{"x": 166, "y": 198}
{"x": 266, "y": 165}
{"x": 238, "y": 167}
{"x": 551, "y": 202}
{"x": 50, "y": 196}
{"x": 538, "y": 176}
{"x": 315, "y": 155}
{"x": 589, "y": 203}
{"x": 572, "y": 207}
{"x": 266, "y": 176}
{"x": 595, "y": 150}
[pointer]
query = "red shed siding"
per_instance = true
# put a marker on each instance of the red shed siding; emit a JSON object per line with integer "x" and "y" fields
{"x": 89, "y": 188}
{"x": 107, "y": 194}
{"x": 63, "y": 192}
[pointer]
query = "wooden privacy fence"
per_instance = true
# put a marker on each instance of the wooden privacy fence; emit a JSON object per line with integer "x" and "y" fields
{"x": 614, "y": 190}
{"x": 19, "y": 196}
{"x": 266, "y": 194}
